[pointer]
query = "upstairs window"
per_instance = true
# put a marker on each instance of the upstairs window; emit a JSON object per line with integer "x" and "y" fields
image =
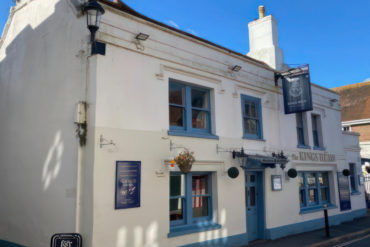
{"x": 252, "y": 117}
{"x": 300, "y": 129}
{"x": 189, "y": 110}
{"x": 316, "y": 131}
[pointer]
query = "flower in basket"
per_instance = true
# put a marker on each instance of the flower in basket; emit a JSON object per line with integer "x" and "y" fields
{"x": 185, "y": 160}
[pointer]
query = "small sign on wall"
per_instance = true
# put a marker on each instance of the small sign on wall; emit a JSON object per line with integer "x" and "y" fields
{"x": 127, "y": 184}
{"x": 66, "y": 240}
{"x": 276, "y": 183}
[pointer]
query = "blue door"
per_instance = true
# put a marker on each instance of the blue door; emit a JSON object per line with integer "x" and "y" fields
{"x": 254, "y": 205}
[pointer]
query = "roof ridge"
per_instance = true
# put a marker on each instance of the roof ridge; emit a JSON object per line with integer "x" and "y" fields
{"x": 351, "y": 86}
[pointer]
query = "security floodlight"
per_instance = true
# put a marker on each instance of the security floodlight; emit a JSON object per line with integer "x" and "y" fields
{"x": 236, "y": 68}
{"x": 142, "y": 36}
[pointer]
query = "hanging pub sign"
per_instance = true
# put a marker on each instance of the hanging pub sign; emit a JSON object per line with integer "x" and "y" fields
{"x": 127, "y": 184}
{"x": 297, "y": 90}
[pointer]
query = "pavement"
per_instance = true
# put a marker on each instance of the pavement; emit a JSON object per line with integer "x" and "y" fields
{"x": 338, "y": 234}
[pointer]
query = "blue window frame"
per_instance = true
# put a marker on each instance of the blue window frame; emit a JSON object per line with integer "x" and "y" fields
{"x": 190, "y": 203}
{"x": 189, "y": 110}
{"x": 252, "y": 117}
{"x": 300, "y": 129}
{"x": 314, "y": 190}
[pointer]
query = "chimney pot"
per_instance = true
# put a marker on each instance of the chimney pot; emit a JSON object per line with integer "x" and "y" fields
{"x": 261, "y": 11}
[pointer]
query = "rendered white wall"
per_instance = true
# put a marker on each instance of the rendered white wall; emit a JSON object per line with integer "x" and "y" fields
{"x": 41, "y": 80}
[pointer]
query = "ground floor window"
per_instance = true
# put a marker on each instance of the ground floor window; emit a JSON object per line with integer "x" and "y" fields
{"x": 190, "y": 198}
{"x": 314, "y": 190}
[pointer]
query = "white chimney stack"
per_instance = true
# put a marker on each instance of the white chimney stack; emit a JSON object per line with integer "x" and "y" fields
{"x": 263, "y": 40}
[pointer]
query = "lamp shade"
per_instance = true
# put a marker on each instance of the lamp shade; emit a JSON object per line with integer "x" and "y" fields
{"x": 93, "y": 11}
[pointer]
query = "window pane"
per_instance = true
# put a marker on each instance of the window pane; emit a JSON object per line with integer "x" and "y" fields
{"x": 247, "y": 109}
{"x": 311, "y": 179}
{"x": 315, "y": 138}
{"x": 300, "y": 136}
{"x": 200, "y": 185}
{"x": 252, "y": 195}
{"x": 300, "y": 180}
{"x": 176, "y": 209}
{"x": 301, "y": 196}
{"x": 199, "y": 119}
{"x": 253, "y": 178}
{"x": 253, "y": 110}
{"x": 177, "y": 185}
{"x": 323, "y": 179}
{"x": 199, "y": 98}
{"x": 250, "y": 126}
{"x": 312, "y": 196}
{"x": 200, "y": 206}
{"x": 324, "y": 195}
{"x": 176, "y": 95}
{"x": 299, "y": 120}
{"x": 176, "y": 116}
{"x": 314, "y": 122}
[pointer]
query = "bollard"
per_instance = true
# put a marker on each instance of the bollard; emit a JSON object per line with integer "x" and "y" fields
{"x": 326, "y": 221}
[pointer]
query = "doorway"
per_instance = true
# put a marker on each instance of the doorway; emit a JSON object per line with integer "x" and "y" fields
{"x": 254, "y": 202}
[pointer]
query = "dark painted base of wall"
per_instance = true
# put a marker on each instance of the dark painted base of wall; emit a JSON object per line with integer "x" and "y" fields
{"x": 282, "y": 231}
{"x": 4, "y": 243}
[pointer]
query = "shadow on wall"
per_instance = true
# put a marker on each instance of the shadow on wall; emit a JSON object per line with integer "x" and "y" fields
{"x": 148, "y": 237}
{"x": 42, "y": 77}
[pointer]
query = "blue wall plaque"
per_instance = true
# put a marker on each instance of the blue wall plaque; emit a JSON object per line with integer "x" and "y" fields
{"x": 344, "y": 193}
{"x": 297, "y": 91}
{"x": 127, "y": 184}
{"x": 66, "y": 240}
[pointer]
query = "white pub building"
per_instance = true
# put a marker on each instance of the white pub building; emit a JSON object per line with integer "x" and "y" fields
{"x": 91, "y": 121}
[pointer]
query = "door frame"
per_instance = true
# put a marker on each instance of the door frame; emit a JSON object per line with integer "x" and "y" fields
{"x": 261, "y": 214}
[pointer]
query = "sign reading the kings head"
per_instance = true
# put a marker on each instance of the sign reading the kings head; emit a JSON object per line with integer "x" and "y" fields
{"x": 317, "y": 157}
{"x": 297, "y": 90}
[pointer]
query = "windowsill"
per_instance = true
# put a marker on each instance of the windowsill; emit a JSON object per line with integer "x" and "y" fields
{"x": 192, "y": 134}
{"x": 355, "y": 193}
{"x": 319, "y": 148}
{"x": 303, "y": 146}
{"x": 254, "y": 138}
{"x": 193, "y": 228}
{"x": 316, "y": 208}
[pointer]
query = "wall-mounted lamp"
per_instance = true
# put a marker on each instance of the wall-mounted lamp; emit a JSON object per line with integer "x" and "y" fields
{"x": 94, "y": 11}
{"x": 236, "y": 68}
{"x": 142, "y": 36}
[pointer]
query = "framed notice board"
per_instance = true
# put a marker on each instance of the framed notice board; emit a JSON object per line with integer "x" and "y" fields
{"x": 344, "y": 192}
{"x": 127, "y": 184}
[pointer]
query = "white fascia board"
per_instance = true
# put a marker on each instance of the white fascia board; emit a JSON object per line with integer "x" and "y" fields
{"x": 356, "y": 122}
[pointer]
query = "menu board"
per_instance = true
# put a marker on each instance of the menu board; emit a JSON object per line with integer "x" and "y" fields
{"x": 344, "y": 192}
{"x": 127, "y": 184}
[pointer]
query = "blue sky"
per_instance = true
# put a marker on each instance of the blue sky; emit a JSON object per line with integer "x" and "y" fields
{"x": 333, "y": 36}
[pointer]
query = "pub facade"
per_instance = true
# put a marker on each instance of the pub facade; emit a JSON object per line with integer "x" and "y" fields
{"x": 157, "y": 93}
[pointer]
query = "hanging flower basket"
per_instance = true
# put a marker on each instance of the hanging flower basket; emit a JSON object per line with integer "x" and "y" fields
{"x": 185, "y": 161}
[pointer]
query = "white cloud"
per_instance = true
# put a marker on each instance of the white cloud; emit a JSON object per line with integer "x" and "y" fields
{"x": 368, "y": 79}
{"x": 192, "y": 31}
{"x": 172, "y": 23}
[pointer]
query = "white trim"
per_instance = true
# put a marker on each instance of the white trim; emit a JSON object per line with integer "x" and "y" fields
{"x": 356, "y": 122}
